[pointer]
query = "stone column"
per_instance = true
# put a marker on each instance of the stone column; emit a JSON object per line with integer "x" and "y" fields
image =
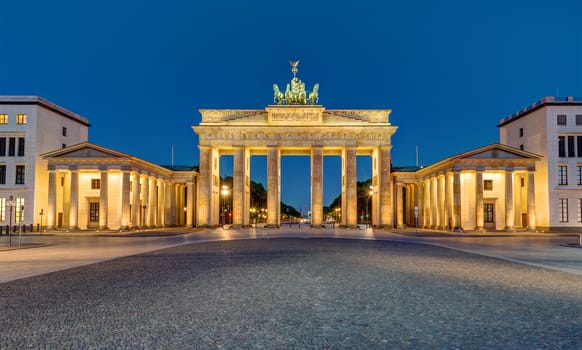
{"x": 479, "y": 213}
{"x": 399, "y": 205}
{"x": 316, "y": 185}
{"x": 448, "y": 202}
{"x": 273, "y": 185}
{"x": 145, "y": 199}
{"x": 190, "y": 205}
{"x": 509, "y": 211}
{"x": 441, "y": 201}
{"x": 238, "y": 187}
{"x": 531, "y": 199}
{"x": 52, "y": 198}
{"x": 457, "y": 199}
{"x": 205, "y": 185}
{"x": 162, "y": 203}
{"x": 74, "y": 206}
{"x": 136, "y": 203}
{"x": 103, "y": 198}
{"x": 385, "y": 187}
{"x": 427, "y": 207}
{"x": 434, "y": 222}
{"x": 125, "y": 199}
{"x": 349, "y": 188}
{"x": 154, "y": 202}
{"x": 420, "y": 220}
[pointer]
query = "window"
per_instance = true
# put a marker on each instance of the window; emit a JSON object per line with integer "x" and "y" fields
{"x": 578, "y": 119}
{"x": 19, "y": 175}
{"x": 63, "y": 146}
{"x": 3, "y": 175}
{"x": 579, "y": 145}
{"x": 521, "y": 147}
{"x": 64, "y": 131}
{"x": 21, "y": 146}
{"x": 579, "y": 209}
{"x": 62, "y": 181}
{"x": 561, "y": 146}
{"x": 571, "y": 149}
{"x": 579, "y": 174}
{"x": 2, "y": 146}
{"x": 3, "y": 118}
{"x": 563, "y": 209}
{"x": 488, "y": 185}
{"x": 21, "y": 118}
{"x": 561, "y": 119}
{"x": 11, "y": 146}
{"x": 19, "y": 214}
{"x": 562, "y": 175}
{"x": 520, "y": 132}
{"x": 94, "y": 211}
{"x": 522, "y": 182}
{"x": 2, "y": 209}
{"x": 95, "y": 184}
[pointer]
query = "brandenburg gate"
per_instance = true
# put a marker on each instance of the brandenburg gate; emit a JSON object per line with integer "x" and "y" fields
{"x": 293, "y": 125}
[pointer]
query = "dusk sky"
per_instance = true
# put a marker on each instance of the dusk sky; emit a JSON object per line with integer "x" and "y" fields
{"x": 140, "y": 70}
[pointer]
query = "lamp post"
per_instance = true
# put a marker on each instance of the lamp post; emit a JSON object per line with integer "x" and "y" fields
{"x": 143, "y": 217}
{"x": 370, "y": 194}
{"x": 10, "y": 203}
{"x": 338, "y": 215}
{"x": 41, "y": 214}
{"x": 224, "y": 193}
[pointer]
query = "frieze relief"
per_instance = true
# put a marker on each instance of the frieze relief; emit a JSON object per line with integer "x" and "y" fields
{"x": 320, "y": 136}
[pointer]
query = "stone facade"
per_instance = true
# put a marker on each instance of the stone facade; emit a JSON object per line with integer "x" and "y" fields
{"x": 558, "y": 177}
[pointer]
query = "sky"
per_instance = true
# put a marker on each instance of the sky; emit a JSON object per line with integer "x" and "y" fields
{"x": 141, "y": 70}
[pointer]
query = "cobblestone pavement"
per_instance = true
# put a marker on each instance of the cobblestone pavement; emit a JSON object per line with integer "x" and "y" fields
{"x": 295, "y": 293}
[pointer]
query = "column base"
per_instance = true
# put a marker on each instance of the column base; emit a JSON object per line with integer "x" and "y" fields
{"x": 103, "y": 228}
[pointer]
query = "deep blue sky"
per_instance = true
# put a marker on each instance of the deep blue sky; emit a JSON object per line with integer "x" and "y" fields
{"x": 140, "y": 70}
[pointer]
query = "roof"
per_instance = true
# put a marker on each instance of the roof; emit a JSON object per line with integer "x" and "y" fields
{"x": 546, "y": 101}
{"x": 37, "y": 100}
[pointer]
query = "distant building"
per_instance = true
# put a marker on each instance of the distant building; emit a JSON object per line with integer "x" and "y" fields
{"x": 552, "y": 128}
{"x": 29, "y": 127}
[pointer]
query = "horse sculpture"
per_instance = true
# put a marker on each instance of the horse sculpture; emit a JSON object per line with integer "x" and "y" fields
{"x": 313, "y": 97}
{"x": 278, "y": 95}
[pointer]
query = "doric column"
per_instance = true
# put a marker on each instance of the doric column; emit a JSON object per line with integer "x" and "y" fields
{"x": 448, "y": 201}
{"x": 479, "y": 213}
{"x": 154, "y": 202}
{"x": 162, "y": 203}
{"x": 531, "y": 199}
{"x": 103, "y": 198}
{"x": 434, "y": 222}
{"x": 457, "y": 199}
{"x": 190, "y": 204}
{"x": 136, "y": 203}
{"x": 441, "y": 201}
{"x": 349, "y": 187}
{"x": 52, "y": 198}
{"x": 273, "y": 185}
{"x": 419, "y": 221}
{"x": 145, "y": 200}
{"x": 385, "y": 187}
{"x": 509, "y": 211}
{"x": 399, "y": 205}
{"x": 74, "y": 206}
{"x": 316, "y": 185}
{"x": 240, "y": 195}
{"x": 125, "y": 199}
{"x": 427, "y": 207}
{"x": 170, "y": 204}
{"x": 205, "y": 204}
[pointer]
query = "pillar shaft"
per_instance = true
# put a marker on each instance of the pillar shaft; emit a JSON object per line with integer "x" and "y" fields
{"x": 509, "y": 210}
{"x": 125, "y": 199}
{"x": 205, "y": 204}
{"x": 385, "y": 187}
{"x": 136, "y": 203}
{"x": 145, "y": 202}
{"x": 273, "y": 185}
{"x": 103, "y": 198}
{"x": 531, "y": 200}
{"x": 240, "y": 193}
{"x": 349, "y": 187}
{"x": 52, "y": 199}
{"x": 441, "y": 201}
{"x": 74, "y": 205}
{"x": 457, "y": 200}
{"x": 316, "y": 186}
{"x": 190, "y": 205}
{"x": 479, "y": 213}
{"x": 399, "y": 206}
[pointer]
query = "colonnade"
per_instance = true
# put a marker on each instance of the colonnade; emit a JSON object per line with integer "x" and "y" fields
{"x": 439, "y": 197}
{"x": 143, "y": 200}
{"x": 209, "y": 191}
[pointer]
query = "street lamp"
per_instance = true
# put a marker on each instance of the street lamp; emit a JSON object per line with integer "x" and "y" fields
{"x": 370, "y": 194}
{"x": 253, "y": 217}
{"x": 338, "y": 215}
{"x": 143, "y": 216}
{"x": 10, "y": 203}
{"x": 224, "y": 193}
{"x": 41, "y": 214}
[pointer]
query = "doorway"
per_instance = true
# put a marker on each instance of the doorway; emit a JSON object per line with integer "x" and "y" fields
{"x": 489, "y": 215}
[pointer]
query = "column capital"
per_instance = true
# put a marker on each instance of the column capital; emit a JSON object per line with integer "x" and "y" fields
{"x": 73, "y": 168}
{"x": 531, "y": 168}
{"x": 52, "y": 167}
{"x": 480, "y": 168}
{"x": 509, "y": 168}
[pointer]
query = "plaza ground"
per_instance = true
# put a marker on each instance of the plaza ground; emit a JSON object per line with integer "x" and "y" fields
{"x": 292, "y": 289}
